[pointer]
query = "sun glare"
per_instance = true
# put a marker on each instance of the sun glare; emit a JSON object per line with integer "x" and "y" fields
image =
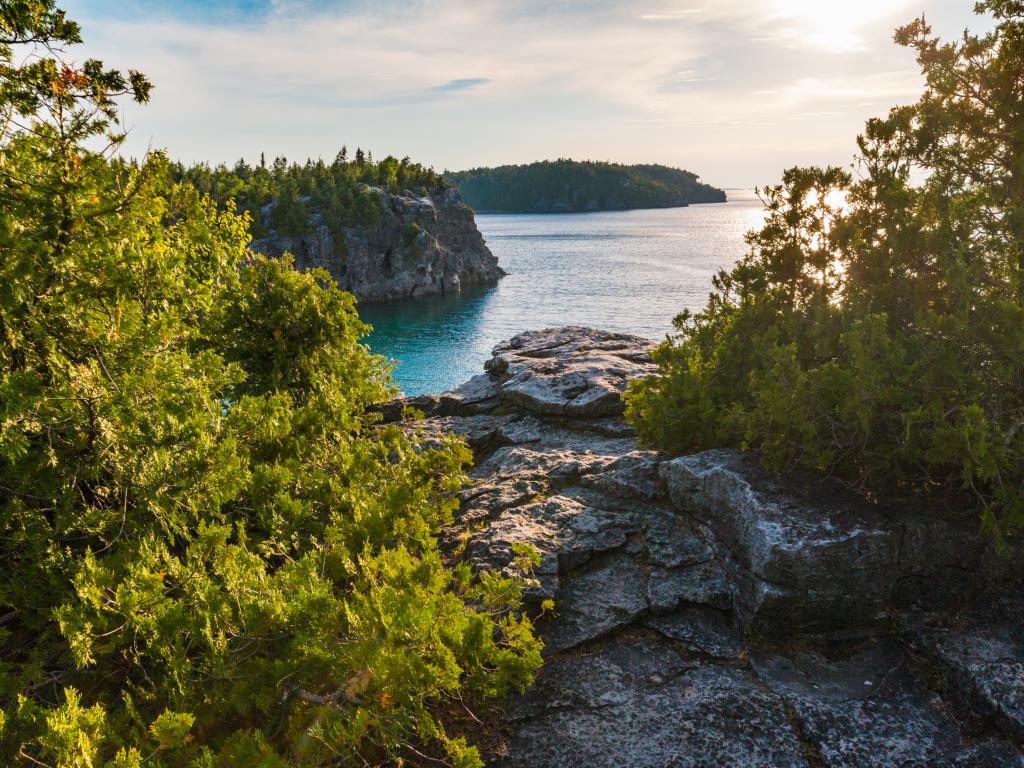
{"x": 837, "y": 199}
{"x": 832, "y": 24}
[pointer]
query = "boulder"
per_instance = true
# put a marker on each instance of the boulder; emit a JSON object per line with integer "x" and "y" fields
{"x": 569, "y": 371}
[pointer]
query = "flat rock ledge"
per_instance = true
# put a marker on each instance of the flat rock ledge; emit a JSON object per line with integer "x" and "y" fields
{"x": 710, "y": 613}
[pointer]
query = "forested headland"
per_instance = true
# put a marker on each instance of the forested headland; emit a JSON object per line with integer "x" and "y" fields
{"x": 565, "y": 186}
{"x": 280, "y": 195}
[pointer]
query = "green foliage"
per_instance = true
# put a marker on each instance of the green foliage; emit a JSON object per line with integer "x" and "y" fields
{"x": 211, "y": 551}
{"x": 409, "y": 233}
{"x": 339, "y": 192}
{"x": 569, "y": 185}
{"x": 876, "y": 327}
{"x": 288, "y": 214}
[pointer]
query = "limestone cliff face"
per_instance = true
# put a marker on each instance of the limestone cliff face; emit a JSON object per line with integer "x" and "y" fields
{"x": 419, "y": 246}
{"x": 710, "y": 614}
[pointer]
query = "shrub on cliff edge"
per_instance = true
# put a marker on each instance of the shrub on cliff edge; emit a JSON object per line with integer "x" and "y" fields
{"x": 876, "y": 327}
{"x": 210, "y": 554}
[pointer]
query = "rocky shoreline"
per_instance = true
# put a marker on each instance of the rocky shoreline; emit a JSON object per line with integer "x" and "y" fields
{"x": 419, "y": 246}
{"x": 709, "y": 613}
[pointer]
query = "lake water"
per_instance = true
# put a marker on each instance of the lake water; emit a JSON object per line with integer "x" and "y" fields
{"x": 628, "y": 271}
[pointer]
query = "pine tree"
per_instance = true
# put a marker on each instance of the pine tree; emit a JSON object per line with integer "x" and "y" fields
{"x": 288, "y": 214}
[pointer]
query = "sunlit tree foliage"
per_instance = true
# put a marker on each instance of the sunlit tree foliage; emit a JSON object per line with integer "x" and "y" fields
{"x": 211, "y": 552}
{"x": 876, "y": 327}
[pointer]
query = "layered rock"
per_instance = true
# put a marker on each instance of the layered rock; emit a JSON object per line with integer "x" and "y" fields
{"x": 419, "y": 246}
{"x": 709, "y": 613}
{"x": 806, "y": 554}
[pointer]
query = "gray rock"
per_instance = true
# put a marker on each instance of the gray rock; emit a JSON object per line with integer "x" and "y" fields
{"x": 485, "y": 500}
{"x": 672, "y": 540}
{"x": 798, "y": 564}
{"x": 701, "y": 630}
{"x": 525, "y": 430}
{"x": 594, "y": 681}
{"x": 689, "y": 592}
{"x": 702, "y": 583}
{"x": 610, "y": 426}
{"x": 988, "y": 754}
{"x": 986, "y": 667}
{"x": 634, "y": 475}
{"x": 477, "y": 395}
{"x": 571, "y": 371}
{"x": 565, "y": 531}
{"x": 808, "y": 555}
{"x": 640, "y": 705}
{"x": 595, "y": 602}
{"x": 480, "y": 432}
{"x": 865, "y": 710}
{"x": 381, "y": 262}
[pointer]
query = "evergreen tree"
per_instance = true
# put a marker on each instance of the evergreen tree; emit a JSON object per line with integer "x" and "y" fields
{"x": 876, "y": 327}
{"x": 288, "y": 214}
{"x": 296, "y": 191}
{"x": 211, "y": 554}
{"x": 387, "y": 172}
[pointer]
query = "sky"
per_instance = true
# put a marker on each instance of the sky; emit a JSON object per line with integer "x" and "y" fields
{"x": 733, "y": 90}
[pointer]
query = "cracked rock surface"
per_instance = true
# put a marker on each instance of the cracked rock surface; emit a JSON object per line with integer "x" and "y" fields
{"x": 710, "y": 613}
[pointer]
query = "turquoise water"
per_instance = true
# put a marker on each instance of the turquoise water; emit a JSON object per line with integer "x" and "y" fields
{"x": 629, "y": 271}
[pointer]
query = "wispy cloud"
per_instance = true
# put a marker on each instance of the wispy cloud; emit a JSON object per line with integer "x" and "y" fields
{"x": 734, "y": 89}
{"x": 671, "y": 15}
{"x": 460, "y": 84}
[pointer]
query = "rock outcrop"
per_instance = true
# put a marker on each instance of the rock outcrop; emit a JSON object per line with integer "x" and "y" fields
{"x": 709, "y": 613}
{"x": 419, "y": 246}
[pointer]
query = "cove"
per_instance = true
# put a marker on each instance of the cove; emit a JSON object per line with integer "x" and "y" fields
{"x": 627, "y": 271}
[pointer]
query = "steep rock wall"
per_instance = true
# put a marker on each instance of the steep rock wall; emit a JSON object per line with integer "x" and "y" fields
{"x": 419, "y": 246}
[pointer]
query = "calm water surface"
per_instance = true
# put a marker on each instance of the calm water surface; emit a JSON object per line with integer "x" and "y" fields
{"x": 629, "y": 271}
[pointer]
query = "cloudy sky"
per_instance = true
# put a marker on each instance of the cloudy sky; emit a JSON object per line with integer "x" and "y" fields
{"x": 735, "y": 90}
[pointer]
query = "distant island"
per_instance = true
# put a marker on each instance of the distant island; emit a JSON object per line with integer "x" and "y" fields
{"x": 568, "y": 186}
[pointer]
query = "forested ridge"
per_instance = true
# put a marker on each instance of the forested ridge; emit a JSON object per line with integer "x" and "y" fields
{"x": 212, "y": 552}
{"x": 339, "y": 191}
{"x": 562, "y": 186}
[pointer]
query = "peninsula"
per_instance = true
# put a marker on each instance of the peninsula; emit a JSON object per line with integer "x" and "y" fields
{"x": 384, "y": 231}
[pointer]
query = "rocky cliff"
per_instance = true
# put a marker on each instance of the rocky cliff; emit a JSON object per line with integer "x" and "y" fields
{"x": 709, "y": 613}
{"x": 419, "y": 246}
